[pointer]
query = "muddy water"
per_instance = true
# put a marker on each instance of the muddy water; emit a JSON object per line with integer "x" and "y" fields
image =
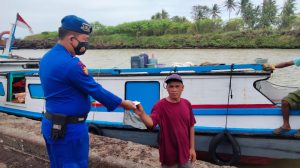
{"x": 121, "y": 58}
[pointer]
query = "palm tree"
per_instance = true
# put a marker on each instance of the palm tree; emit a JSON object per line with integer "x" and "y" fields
{"x": 164, "y": 14}
{"x": 200, "y": 12}
{"x": 268, "y": 13}
{"x": 242, "y": 5}
{"x": 179, "y": 19}
{"x": 230, "y": 5}
{"x": 215, "y": 11}
{"x": 156, "y": 16}
{"x": 289, "y": 8}
{"x": 251, "y": 15}
{"x": 288, "y": 13}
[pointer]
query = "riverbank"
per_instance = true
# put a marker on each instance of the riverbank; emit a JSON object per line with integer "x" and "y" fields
{"x": 233, "y": 39}
{"x": 21, "y": 145}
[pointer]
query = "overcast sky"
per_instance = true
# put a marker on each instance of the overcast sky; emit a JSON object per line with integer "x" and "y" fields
{"x": 44, "y": 15}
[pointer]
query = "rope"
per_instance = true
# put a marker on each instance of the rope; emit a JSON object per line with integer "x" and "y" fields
{"x": 230, "y": 95}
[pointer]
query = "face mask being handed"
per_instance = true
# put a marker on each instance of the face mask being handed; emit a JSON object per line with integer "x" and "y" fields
{"x": 81, "y": 47}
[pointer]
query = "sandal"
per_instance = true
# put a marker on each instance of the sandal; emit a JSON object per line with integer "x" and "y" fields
{"x": 281, "y": 130}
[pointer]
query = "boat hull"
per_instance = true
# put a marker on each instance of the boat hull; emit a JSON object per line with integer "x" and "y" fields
{"x": 252, "y": 146}
{"x": 233, "y": 99}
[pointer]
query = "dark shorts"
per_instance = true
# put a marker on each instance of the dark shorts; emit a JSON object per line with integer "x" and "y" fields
{"x": 294, "y": 99}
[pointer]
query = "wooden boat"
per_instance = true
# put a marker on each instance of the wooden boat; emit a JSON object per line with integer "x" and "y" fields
{"x": 236, "y": 99}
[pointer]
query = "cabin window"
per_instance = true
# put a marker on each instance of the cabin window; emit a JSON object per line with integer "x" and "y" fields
{"x": 16, "y": 88}
{"x": 2, "y": 93}
{"x": 36, "y": 91}
{"x": 146, "y": 92}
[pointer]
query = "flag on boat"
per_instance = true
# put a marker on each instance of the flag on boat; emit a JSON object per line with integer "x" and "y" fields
{"x": 21, "y": 22}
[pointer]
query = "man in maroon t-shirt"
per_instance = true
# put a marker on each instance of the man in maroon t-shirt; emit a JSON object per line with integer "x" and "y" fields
{"x": 176, "y": 120}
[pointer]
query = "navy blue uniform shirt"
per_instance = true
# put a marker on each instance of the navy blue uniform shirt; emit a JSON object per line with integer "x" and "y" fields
{"x": 67, "y": 88}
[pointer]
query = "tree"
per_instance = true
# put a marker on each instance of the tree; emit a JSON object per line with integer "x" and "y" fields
{"x": 295, "y": 25}
{"x": 230, "y": 5}
{"x": 287, "y": 14}
{"x": 163, "y": 15}
{"x": 156, "y": 16}
{"x": 268, "y": 13}
{"x": 251, "y": 15}
{"x": 234, "y": 25}
{"x": 242, "y": 5}
{"x": 215, "y": 11}
{"x": 179, "y": 19}
{"x": 200, "y": 12}
{"x": 207, "y": 26}
{"x": 98, "y": 28}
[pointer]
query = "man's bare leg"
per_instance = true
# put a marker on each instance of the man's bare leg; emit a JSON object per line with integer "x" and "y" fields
{"x": 285, "y": 113}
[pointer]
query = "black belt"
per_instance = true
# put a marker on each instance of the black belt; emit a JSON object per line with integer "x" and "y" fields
{"x": 69, "y": 119}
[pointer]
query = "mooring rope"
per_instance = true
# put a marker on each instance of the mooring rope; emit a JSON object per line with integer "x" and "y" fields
{"x": 230, "y": 95}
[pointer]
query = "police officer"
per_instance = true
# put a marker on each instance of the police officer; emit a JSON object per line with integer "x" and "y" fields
{"x": 67, "y": 87}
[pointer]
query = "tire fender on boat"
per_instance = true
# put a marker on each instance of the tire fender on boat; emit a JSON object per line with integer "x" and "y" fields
{"x": 216, "y": 141}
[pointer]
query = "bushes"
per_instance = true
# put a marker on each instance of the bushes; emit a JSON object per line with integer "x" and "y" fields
{"x": 243, "y": 39}
{"x": 146, "y": 28}
{"x": 42, "y": 36}
{"x": 166, "y": 33}
{"x": 234, "y": 25}
{"x": 206, "y": 26}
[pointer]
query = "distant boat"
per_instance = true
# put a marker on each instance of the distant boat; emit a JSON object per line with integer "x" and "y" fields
{"x": 7, "y": 45}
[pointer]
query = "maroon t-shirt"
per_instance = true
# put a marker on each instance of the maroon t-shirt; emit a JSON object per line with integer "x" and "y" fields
{"x": 175, "y": 121}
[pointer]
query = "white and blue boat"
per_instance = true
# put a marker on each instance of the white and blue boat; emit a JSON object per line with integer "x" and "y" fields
{"x": 237, "y": 99}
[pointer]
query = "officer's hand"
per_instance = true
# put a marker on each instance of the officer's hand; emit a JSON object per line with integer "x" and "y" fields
{"x": 268, "y": 67}
{"x": 128, "y": 105}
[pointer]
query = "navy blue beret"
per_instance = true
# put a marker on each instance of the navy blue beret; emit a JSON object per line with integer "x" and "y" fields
{"x": 76, "y": 24}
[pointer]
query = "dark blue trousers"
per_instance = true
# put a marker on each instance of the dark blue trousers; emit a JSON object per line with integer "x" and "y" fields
{"x": 71, "y": 154}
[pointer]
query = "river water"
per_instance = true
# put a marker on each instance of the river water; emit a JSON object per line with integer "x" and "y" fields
{"x": 121, "y": 58}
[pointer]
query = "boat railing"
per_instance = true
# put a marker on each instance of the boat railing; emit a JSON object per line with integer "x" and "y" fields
{"x": 156, "y": 71}
{"x": 193, "y": 69}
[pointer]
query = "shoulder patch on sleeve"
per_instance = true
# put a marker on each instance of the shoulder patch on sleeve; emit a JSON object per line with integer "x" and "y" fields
{"x": 83, "y": 67}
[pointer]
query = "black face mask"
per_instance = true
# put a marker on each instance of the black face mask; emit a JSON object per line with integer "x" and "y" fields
{"x": 81, "y": 47}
